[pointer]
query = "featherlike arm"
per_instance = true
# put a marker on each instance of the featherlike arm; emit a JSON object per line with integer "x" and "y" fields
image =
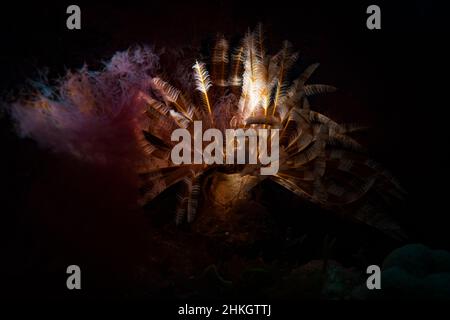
{"x": 286, "y": 60}
{"x": 220, "y": 63}
{"x": 172, "y": 95}
{"x": 203, "y": 83}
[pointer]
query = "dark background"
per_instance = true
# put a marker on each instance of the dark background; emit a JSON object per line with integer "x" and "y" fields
{"x": 55, "y": 211}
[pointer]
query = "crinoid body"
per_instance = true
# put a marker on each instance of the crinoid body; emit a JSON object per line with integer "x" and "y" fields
{"x": 131, "y": 108}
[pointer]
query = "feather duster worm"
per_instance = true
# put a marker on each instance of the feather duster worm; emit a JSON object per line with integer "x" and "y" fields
{"x": 128, "y": 110}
